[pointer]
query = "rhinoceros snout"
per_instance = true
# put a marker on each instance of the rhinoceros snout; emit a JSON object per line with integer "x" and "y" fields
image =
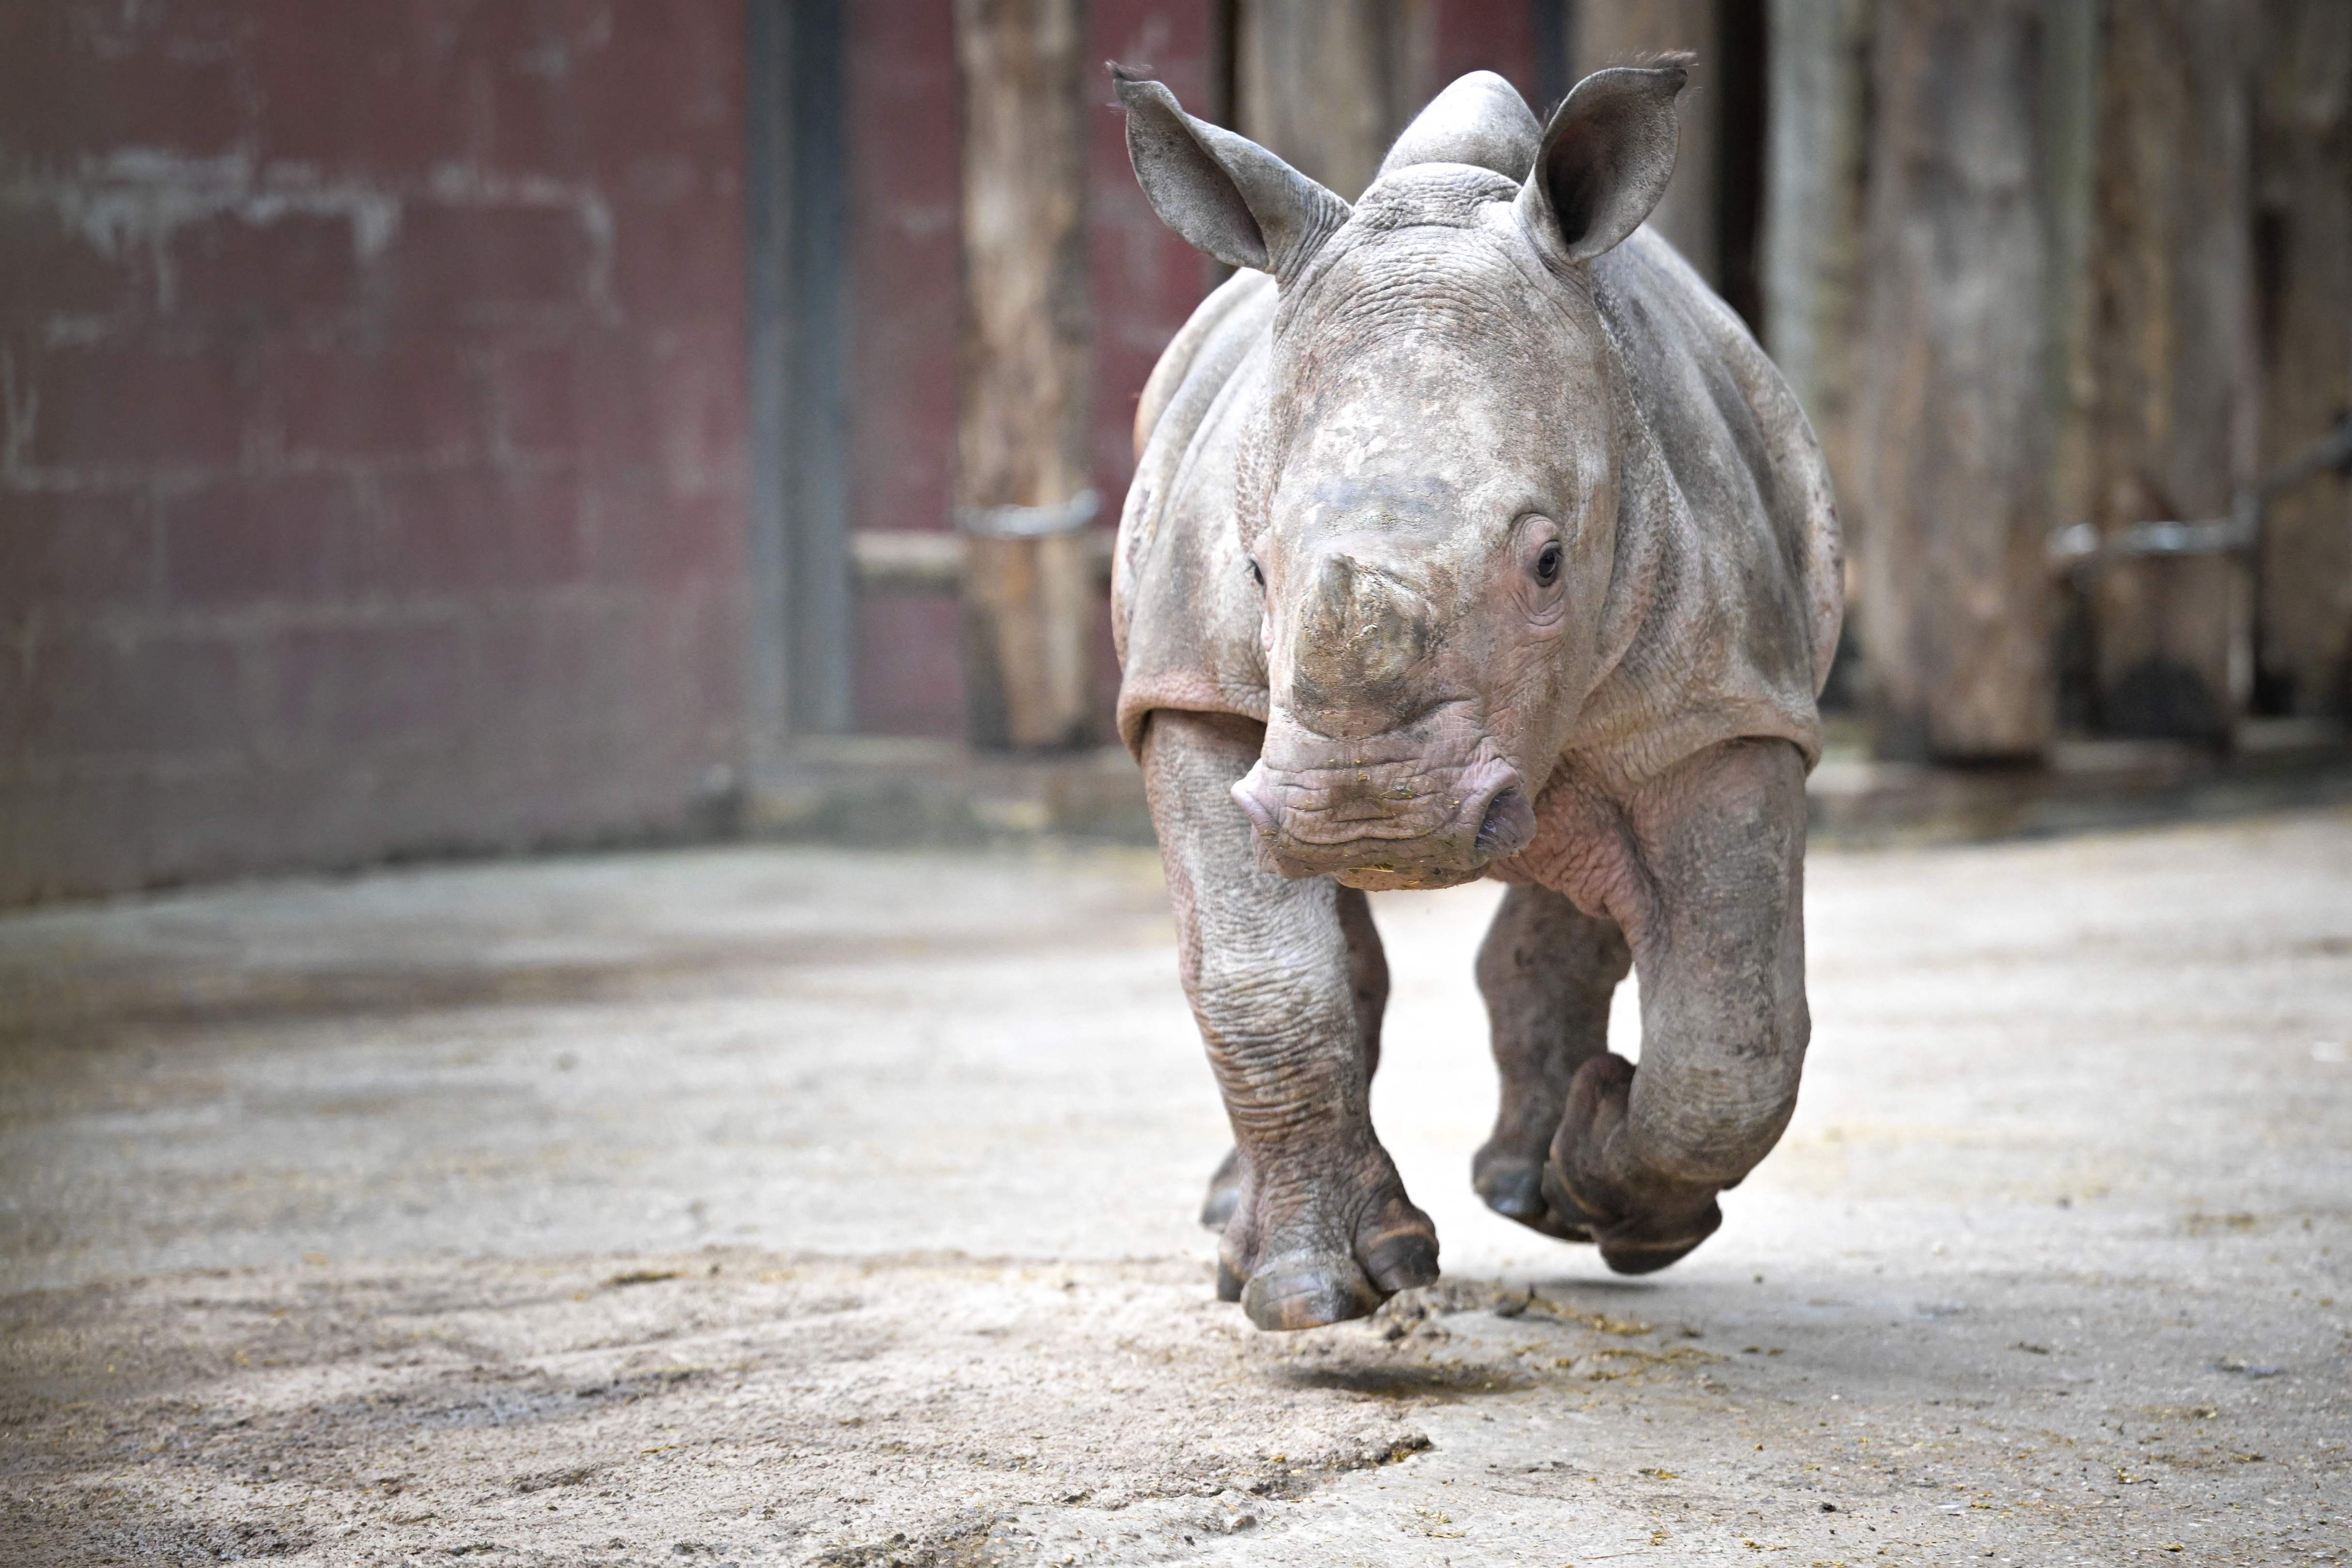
{"x": 1393, "y": 824}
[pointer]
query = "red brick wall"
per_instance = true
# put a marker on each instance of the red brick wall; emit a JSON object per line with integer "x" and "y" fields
{"x": 905, "y": 280}
{"x": 372, "y": 476}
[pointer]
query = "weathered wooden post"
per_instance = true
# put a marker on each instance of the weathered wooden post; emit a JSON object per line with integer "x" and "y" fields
{"x": 1317, "y": 81}
{"x": 1023, "y": 502}
{"x": 2304, "y": 153}
{"x": 1625, "y": 32}
{"x": 1812, "y": 280}
{"x": 2171, "y": 357}
{"x": 1954, "y": 443}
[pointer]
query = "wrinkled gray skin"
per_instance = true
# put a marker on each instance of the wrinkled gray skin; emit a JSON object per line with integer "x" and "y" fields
{"x": 1471, "y": 536}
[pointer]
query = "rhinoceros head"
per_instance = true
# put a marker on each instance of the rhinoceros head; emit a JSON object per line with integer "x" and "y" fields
{"x": 1429, "y": 499}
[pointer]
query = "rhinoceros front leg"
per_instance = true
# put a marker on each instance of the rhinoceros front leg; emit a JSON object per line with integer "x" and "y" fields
{"x": 1706, "y": 875}
{"x": 1368, "y": 977}
{"x": 1548, "y": 971}
{"x": 1321, "y": 1229}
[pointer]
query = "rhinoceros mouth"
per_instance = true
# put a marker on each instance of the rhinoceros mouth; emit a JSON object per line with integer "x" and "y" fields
{"x": 1404, "y": 828}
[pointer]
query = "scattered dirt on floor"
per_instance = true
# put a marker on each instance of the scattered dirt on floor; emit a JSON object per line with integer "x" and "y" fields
{"x": 880, "y": 1410}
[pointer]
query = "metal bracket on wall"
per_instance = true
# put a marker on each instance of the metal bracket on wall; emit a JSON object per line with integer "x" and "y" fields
{"x": 2082, "y": 545}
{"x": 931, "y": 560}
{"x": 1030, "y": 521}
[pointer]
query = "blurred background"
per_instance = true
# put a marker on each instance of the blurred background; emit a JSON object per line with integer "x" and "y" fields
{"x": 454, "y": 425}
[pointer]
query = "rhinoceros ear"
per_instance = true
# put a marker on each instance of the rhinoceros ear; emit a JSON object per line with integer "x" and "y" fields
{"x": 1605, "y": 161}
{"x": 1224, "y": 193}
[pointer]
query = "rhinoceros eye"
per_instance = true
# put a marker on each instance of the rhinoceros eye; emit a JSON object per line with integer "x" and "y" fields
{"x": 1547, "y": 559}
{"x": 1256, "y": 571}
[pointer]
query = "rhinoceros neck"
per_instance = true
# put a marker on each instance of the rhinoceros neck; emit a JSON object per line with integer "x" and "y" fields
{"x": 1439, "y": 195}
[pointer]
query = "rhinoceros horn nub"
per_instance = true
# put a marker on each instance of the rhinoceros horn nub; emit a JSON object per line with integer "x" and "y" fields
{"x": 1481, "y": 121}
{"x": 1360, "y": 635}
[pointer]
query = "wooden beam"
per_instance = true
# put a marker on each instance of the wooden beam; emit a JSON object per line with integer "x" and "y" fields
{"x": 1811, "y": 263}
{"x": 1626, "y": 32}
{"x": 1030, "y": 601}
{"x": 1323, "y": 83}
{"x": 2304, "y": 225}
{"x": 1953, "y": 424}
{"x": 2171, "y": 411}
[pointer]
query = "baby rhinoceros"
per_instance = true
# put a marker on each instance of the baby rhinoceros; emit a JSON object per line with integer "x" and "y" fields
{"x": 1472, "y": 536}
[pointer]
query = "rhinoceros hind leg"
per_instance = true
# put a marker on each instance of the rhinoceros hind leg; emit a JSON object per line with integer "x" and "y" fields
{"x": 1225, "y": 1193}
{"x": 1547, "y": 971}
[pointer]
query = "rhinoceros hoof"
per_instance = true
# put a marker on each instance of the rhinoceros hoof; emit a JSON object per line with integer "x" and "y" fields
{"x": 1224, "y": 1197}
{"x": 1305, "y": 1291}
{"x": 1647, "y": 1256}
{"x": 1512, "y": 1185}
{"x": 1306, "y": 1272}
{"x": 1640, "y": 1243}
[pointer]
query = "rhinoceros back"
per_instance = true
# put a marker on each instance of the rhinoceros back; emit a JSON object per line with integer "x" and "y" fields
{"x": 1727, "y": 596}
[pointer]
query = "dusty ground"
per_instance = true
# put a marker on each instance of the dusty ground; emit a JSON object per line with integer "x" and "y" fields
{"x": 767, "y": 1205}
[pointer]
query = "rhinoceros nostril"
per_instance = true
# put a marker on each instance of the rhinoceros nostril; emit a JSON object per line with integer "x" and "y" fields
{"x": 1508, "y": 824}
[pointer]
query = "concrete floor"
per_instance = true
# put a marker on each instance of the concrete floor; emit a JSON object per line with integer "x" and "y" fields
{"x": 801, "y": 1206}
